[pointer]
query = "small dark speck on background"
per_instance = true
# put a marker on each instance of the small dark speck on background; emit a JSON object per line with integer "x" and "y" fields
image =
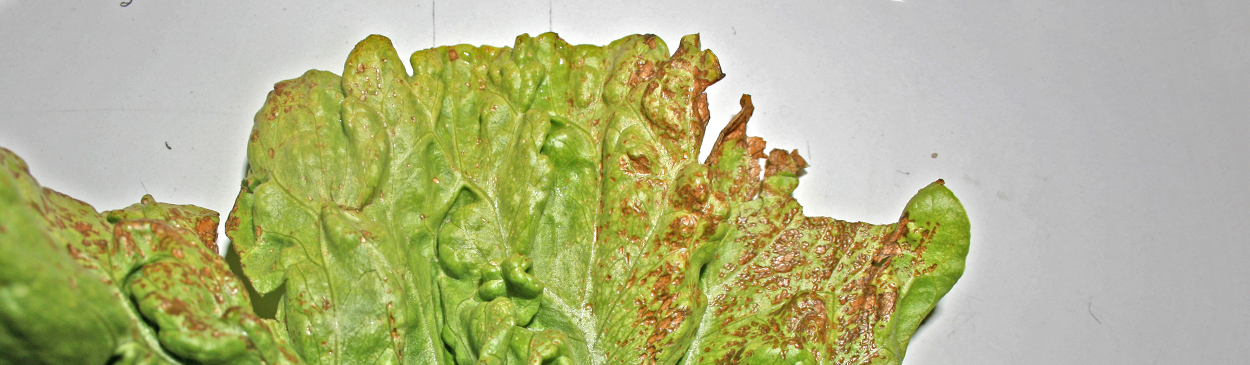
{"x": 934, "y": 155}
{"x": 126, "y": 3}
{"x": 167, "y": 146}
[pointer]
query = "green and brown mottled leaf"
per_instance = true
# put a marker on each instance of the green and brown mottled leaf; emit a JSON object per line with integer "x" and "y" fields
{"x": 786, "y": 288}
{"x": 141, "y": 285}
{"x": 535, "y": 204}
{"x": 544, "y": 202}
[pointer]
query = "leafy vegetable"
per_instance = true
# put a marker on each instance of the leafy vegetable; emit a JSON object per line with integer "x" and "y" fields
{"x": 544, "y": 203}
{"x": 541, "y": 203}
{"x": 141, "y": 285}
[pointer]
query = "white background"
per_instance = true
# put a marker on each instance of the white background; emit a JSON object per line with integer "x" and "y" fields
{"x": 1100, "y": 149}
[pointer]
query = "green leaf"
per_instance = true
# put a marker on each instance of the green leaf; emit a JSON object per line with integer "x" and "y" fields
{"x": 538, "y": 204}
{"x": 142, "y": 285}
{"x": 52, "y": 310}
{"x": 405, "y": 213}
{"x": 786, "y": 288}
{"x": 544, "y": 203}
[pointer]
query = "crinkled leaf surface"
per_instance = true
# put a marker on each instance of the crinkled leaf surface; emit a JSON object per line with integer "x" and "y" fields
{"x": 141, "y": 285}
{"x": 788, "y": 288}
{"x": 543, "y": 203}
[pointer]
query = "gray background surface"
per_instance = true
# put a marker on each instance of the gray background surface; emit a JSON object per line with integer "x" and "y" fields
{"x": 1099, "y": 147}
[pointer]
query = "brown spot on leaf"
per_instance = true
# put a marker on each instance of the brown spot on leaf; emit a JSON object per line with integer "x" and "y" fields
{"x": 232, "y": 223}
{"x": 83, "y": 228}
{"x": 206, "y": 230}
{"x": 639, "y": 164}
{"x": 644, "y": 72}
{"x": 782, "y": 161}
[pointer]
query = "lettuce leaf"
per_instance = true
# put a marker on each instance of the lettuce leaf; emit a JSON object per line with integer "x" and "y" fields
{"x": 535, "y": 204}
{"x": 141, "y": 285}
{"x": 543, "y": 203}
{"x": 786, "y": 288}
